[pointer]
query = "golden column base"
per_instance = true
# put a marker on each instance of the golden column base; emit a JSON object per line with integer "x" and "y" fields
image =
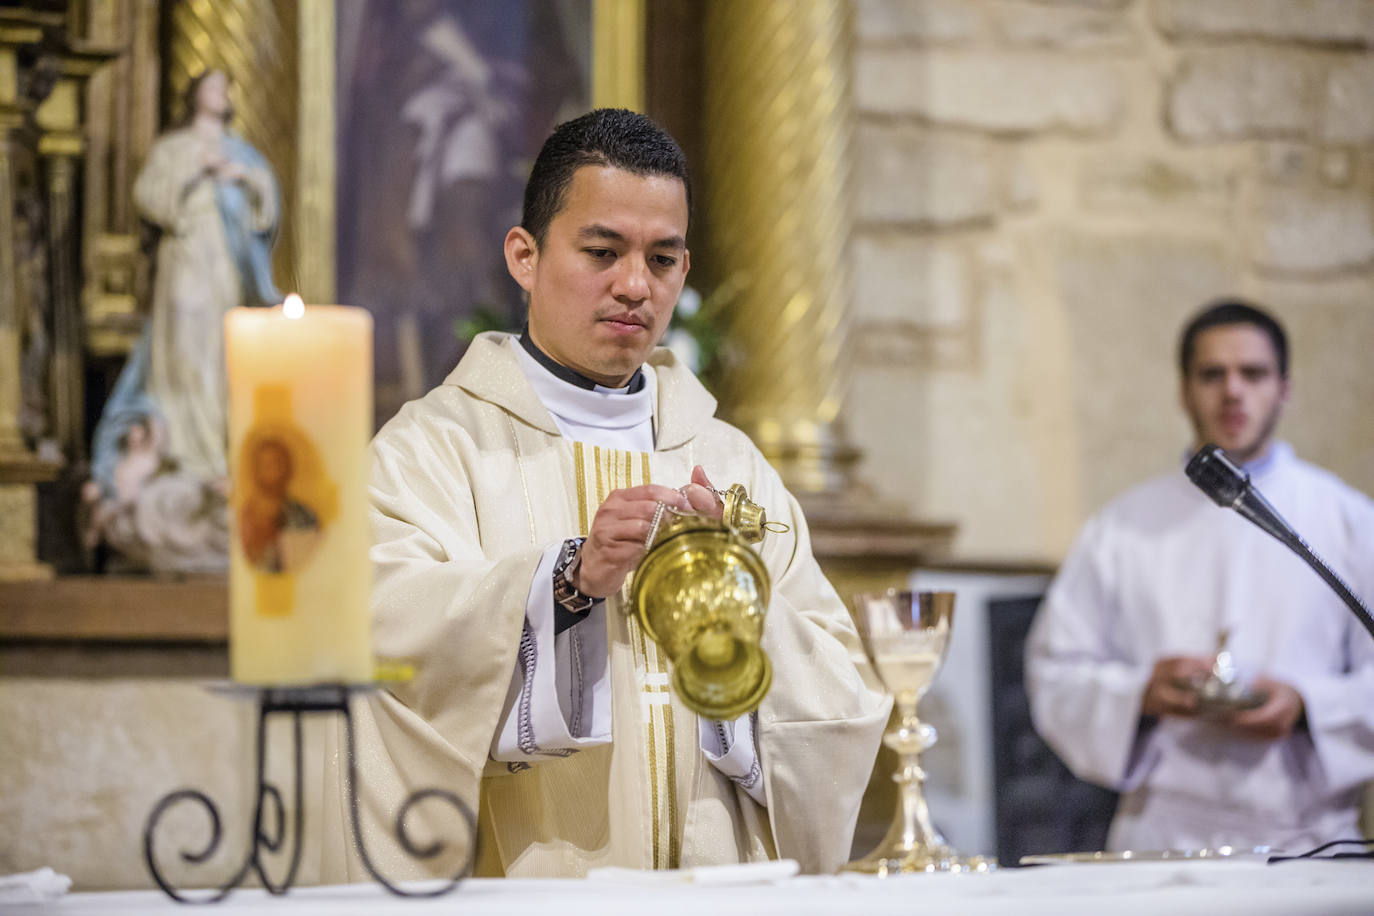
{"x": 18, "y": 517}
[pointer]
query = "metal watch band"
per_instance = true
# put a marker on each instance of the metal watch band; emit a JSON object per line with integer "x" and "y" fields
{"x": 565, "y": 595}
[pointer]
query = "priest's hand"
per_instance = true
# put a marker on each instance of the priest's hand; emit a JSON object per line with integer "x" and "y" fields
{"x": 1172, "y": 689}
{"x": 702, "y": 495}
{"x": 1275, "y": 718}
{"x": 617, "y": 536}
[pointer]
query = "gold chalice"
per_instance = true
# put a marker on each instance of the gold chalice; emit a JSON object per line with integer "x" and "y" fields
{"x": 905, "y": 635}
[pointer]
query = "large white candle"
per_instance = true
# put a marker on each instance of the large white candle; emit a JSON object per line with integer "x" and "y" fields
{"x": 300, "y": 414}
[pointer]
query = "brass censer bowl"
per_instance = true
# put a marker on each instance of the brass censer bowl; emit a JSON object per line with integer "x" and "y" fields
{"x": 701, "y": 593}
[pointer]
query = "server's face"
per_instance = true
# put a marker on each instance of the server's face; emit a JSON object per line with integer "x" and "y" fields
{"x": 1233, "y": 392}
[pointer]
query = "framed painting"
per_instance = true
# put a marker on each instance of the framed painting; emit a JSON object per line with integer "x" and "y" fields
{"x": 419, "y": 121}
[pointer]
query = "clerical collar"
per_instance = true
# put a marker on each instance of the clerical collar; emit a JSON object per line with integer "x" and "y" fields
{"x": 602, "y": 416}
{"x": 572, "y": 376}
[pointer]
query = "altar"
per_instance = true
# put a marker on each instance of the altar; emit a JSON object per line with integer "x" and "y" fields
{"x": 1329, "y": 888}
{"x": 994, "y": 390}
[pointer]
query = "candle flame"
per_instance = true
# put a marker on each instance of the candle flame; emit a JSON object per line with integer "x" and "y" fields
{"x": 293, "y": 307}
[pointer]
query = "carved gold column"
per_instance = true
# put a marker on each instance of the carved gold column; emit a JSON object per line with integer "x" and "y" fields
{"x": 255, "y": 42}
{"x": 120, "y": 125}
{"x": 12, "y": 445}
{"x": 24, "y": 42}
{"x": 778, "y": 130}
{"x": 60, "y": 147}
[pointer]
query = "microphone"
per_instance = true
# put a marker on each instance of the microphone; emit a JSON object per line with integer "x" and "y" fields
{"x": 1229, "y": 486}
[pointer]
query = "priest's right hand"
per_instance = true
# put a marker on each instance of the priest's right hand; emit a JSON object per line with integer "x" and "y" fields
{"x": 1172, "y": 689}
{"x": 616, "y": 539}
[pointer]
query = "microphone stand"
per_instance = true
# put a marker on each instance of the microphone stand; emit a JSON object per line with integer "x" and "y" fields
{"x": 1229, "y": 486}
{"x": 1352, "y": 600}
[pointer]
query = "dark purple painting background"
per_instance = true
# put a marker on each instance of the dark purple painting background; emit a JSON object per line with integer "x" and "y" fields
{"x": 443, "y": 105}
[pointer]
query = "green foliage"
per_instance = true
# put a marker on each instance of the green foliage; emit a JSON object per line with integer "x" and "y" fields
{"x": 483, "y": 318}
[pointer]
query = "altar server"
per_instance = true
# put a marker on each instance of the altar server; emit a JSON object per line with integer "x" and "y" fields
{"x": 1132, "y": 624}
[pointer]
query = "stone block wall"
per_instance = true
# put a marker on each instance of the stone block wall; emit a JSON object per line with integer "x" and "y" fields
{"x": 1046, "y": 190}
{"x": 92, "y": 737}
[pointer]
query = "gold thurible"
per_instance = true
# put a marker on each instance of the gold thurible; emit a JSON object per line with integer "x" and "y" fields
{"x": 743, "y": 514}
{"x": 701, "y": 593}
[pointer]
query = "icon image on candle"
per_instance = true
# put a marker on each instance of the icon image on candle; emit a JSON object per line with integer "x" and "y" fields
{"x": 300, "y": 416}
{"x": 279, "y": 528}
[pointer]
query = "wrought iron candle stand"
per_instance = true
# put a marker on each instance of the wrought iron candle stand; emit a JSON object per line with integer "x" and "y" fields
{"x": 298, "y": 701}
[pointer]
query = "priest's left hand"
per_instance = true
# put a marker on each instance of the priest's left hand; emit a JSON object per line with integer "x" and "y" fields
{"x": 702, "y": 495}
{"x": 1275, "y": 718}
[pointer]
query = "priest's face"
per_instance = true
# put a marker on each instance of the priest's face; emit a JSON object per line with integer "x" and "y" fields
{"x": 603, "y": 283}
{"x": 1233, "y": 391}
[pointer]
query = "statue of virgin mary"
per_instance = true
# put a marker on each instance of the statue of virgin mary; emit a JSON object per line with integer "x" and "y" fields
{"x": 216, "y": 202}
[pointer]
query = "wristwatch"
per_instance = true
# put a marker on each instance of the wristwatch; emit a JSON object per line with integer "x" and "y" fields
{"x": 565, "y": 594}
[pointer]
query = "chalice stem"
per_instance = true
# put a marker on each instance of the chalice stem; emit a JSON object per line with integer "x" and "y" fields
{"x": 917, "y": 831}
{"x": 911, "y": 828}
{"x": 912, "y": 843}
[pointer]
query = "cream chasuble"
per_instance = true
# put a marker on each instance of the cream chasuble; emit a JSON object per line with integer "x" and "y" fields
{"x": 470, "y": 486}
{"x": 598, "y": 471}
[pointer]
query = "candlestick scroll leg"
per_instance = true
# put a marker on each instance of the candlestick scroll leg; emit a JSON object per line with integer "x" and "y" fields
{"x": 418, "y": 852}
{"x": 194, "y": 858}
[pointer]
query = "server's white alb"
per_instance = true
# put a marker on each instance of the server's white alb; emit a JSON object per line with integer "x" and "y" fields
{"x": 1159, "y": 572}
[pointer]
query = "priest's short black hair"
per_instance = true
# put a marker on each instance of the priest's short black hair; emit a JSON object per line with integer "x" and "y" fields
{"x": 607, "y": 136}
{"x": 1225, "y": 312}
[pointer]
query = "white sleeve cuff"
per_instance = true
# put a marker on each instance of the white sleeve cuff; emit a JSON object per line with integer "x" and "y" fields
{"x": 560, "y": 695}
{"x": 730, "y": 748}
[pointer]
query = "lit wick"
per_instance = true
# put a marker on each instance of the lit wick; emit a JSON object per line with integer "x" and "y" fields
{"x": 293, "y": 307}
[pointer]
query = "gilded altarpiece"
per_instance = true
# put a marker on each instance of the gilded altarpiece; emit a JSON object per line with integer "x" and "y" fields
{"x": 85, "y": 89}
{"x": 49, "y": 53}
{"x": 293, "y": 58}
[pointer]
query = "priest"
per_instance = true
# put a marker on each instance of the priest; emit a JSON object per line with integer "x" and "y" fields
{"x": 510, "y": 507}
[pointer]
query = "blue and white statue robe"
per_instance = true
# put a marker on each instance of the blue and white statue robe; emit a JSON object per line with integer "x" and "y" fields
{"x": 214, "y": 255}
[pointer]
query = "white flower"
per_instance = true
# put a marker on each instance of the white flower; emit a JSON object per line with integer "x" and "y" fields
{"x": 689, "y": 302}
{"x": 684, "y": 347}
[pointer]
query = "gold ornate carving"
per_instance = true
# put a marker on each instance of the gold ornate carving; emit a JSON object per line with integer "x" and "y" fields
{"x": 9, "y": 73}
{"x": 254, "y": 42}
{"x": 11, "y": 443}
{"x": 61, "y": 143}
{"x": 618, "y": 54}
{"x": 12, "y": 447}
{"x": 38, "y": 60}
{"x": 777, "y": 107}
{"x": 121, "y": 121}
{"x": 66, "y": 384}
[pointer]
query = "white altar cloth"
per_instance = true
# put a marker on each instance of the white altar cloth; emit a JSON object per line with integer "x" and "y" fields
{"x": 1328, "y": 888}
